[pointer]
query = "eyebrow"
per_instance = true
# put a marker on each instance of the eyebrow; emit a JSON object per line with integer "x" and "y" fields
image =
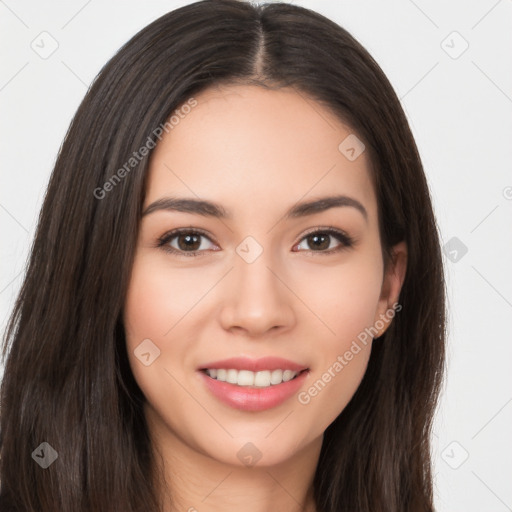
{"x": 212, "y": 209}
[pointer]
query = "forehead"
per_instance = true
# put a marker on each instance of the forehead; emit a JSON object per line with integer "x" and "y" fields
{"x": 245, "y": 145}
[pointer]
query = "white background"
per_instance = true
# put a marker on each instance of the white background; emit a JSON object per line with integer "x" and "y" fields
{"x": 460, "y": 113}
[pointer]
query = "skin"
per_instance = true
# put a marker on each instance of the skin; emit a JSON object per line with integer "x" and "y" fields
{"x": 256, "y": 152}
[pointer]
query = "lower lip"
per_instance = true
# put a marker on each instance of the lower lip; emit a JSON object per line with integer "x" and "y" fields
{"x": 254, "y": 399}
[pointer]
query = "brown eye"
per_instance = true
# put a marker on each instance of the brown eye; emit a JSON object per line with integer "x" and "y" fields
{"x": 185, "y": 242}
{"x": 188, "y": 242}
{"x": 320, "y": 241}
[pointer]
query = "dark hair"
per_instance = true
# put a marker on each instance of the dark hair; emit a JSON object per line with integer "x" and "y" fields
{"x": 67, "y": 379}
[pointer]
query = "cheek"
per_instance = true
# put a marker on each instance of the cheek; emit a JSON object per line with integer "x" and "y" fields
{"x": 346, "y": 301}
{"x": 156, "y": 309}
{"x": 158, "y": 299}
{"x": 331, "y": 387}
{"x": 344, "y": 298}
{"x": 342, "y": 358}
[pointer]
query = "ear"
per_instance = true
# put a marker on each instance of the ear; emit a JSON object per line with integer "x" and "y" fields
{"x": 394, "y": 275}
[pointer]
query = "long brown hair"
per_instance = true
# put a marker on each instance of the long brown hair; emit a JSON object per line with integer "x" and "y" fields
{"x": 67, "y": 380}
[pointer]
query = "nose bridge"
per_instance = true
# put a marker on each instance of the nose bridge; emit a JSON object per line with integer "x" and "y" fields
{"x": 259, "y": 301}
{"x": 256, "y": 281}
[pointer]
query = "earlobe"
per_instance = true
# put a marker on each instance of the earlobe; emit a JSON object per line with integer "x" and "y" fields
{"x": 394, "y": 276}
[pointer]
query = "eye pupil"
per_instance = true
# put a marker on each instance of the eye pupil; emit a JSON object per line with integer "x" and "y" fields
{"x": 320, "y": 245}
{"x": 191, "y": 242}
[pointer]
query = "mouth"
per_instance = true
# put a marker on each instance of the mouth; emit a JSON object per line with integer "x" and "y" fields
{"x": 250, "y": 379}
{"x": 253, "y": 385}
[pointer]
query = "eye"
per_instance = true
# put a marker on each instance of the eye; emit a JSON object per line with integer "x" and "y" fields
{"x": 186, "y": 242}
{"x": 320, "y": 240}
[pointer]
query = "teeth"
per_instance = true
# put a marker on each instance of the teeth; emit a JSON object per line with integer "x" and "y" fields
{"x": 244, "y": 378}
{"x": 232, "y": 377}
{"x": 261, "y": 379}
{"x": 288, "y": 375}
{"x": 276, "y": 377}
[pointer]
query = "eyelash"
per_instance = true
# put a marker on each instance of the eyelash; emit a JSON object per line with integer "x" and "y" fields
{"x": 345, "y": 240}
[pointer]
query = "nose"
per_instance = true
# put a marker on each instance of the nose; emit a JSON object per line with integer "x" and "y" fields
{"x": 257, "y": 299}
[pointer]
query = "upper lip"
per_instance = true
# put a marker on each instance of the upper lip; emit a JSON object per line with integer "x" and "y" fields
{"x": 255, "y": 365}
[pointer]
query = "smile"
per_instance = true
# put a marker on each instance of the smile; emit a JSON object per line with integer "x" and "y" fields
{"x": 246, "y": 378}
{"x": 253, "y": 384}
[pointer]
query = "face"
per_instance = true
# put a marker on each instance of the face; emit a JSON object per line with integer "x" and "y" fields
{"x": 288, "y": 291}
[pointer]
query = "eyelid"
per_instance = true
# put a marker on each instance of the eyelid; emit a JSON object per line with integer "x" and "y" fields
{"x": 324, "y": 229}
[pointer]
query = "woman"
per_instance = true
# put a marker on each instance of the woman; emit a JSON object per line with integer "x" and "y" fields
{"x": 235, "y": 295}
